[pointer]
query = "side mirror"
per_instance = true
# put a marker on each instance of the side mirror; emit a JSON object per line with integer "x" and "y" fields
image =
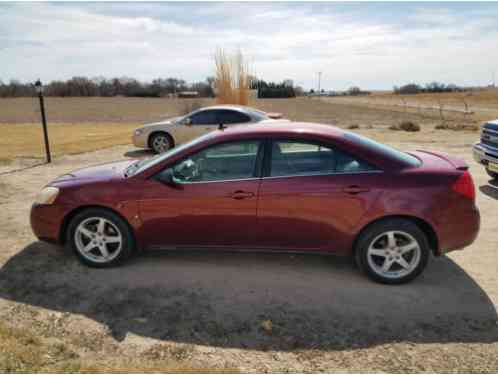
{"x": 167, "y": 177}
{"x": 187, "y": 121}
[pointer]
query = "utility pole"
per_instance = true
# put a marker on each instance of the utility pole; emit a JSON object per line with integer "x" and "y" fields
{"x": 319, "y": 82}
{"x": 39, "y": 90}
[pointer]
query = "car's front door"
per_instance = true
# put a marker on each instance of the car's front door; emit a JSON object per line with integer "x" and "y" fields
{"x": 213, "y": 202}
{"x": 313, "y": 196}
{"x": 197, "y": 124}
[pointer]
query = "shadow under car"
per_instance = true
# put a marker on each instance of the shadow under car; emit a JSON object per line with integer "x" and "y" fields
{"x": 217, "y": 298}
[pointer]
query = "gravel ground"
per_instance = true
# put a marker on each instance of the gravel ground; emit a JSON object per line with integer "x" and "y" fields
{"x": 256, "y": 312}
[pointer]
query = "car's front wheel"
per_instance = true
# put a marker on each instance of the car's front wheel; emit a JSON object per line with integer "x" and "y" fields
{"x": 491, "y": 174}
{"x": 160, "y": 142}
{"x": 100, "y": 238}
{"x": 392, "y": 251}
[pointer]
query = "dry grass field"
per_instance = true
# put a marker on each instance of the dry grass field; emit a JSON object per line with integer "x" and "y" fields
{"x": 199, "y": 312}
{"x": 85, "y": 124}
{"x": 25, "y": 140}
{"x": 93, "y": 110}
{"x": 483, "y": 104}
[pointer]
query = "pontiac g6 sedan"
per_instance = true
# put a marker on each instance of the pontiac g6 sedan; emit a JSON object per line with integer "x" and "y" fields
{"x": 296, "y": 187}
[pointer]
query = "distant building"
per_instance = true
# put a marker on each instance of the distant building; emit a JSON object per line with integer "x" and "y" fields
{"x": 188, "y": 94}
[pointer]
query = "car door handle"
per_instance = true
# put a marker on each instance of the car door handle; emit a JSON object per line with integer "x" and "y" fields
{"x": 239, "y": 194}
{"x": 354, "y": 189}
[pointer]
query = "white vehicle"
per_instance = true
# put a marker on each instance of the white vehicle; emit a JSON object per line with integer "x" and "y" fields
{"x": 486, "y": 150}
{"x": 163, "y": 135}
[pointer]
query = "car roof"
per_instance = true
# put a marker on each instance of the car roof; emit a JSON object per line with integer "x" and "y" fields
{"x": 280, "y": 128}
{"x": 230, "y": 106}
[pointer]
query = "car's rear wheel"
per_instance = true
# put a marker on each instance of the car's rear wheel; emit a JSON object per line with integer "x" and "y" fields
{"x": 160, "y": 142}
{"x": 491, "y": 174}
{"x": 100, "y": 238}
{"x": 392, "y": 251}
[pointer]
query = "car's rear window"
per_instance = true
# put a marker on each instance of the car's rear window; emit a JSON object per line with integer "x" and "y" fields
{"x": 383, "y": 149}
{"x": 257, "y": 114}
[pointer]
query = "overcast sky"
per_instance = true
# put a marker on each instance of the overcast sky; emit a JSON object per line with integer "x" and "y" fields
{"x": 374, "y": 46}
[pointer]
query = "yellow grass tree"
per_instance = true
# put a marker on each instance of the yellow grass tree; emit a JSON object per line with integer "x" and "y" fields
{"x": 232, "y": 79}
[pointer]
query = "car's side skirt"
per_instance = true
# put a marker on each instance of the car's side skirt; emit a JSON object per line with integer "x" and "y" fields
{"x": 239, "y": 249}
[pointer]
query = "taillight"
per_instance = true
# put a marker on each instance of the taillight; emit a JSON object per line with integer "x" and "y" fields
{"x": 465, "y": 185}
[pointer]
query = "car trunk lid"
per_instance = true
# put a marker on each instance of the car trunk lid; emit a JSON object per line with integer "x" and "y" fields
{"x": 440, "y": 160}
{"x": 275, "y": 115}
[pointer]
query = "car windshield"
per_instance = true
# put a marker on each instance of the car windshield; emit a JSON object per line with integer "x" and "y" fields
{"x": 141, "y": 165}
{"x": 383, "y": 149}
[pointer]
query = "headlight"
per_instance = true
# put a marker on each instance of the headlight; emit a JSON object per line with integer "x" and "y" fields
{"x": 47, "y": 195}
{"x": 138, "y": 132}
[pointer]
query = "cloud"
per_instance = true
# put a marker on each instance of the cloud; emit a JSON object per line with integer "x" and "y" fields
{"x": 373, "y": 46}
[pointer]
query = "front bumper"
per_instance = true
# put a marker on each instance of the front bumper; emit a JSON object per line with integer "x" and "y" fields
{"x": 140, "y": 140}
{"x": 484, "y": 154}
{"x": 46, "y": 221}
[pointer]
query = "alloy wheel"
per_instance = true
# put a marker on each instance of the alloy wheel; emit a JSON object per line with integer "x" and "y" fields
{"x": 394, "y": 254}
{"x": 160, "y": 144}
{"x": 98, "y": 239}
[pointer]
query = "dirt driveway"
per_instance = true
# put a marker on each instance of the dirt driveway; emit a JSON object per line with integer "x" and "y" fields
{"x": 216, "y": 308}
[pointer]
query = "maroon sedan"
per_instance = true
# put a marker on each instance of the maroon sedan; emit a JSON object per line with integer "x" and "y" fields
{"x": 286, "y": 187}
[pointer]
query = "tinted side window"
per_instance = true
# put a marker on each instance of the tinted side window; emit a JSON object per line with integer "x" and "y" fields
{"x": 226, "y": 116}
{"x": 227, "y": 161}
{"x": 348, "y": 163}
{"x": 291, "y": 158}
{"x": 204, "y": 118}
{"x": 294, "y": 158}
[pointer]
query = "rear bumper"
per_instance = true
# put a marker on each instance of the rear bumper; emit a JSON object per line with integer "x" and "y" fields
{"x": 459, "y": 228}
{"x": 484, "y": 154}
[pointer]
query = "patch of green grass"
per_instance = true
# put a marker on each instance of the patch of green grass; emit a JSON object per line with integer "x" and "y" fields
{"x": 23, "y": 351}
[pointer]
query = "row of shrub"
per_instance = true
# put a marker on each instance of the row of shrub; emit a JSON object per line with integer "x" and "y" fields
{"x": 276, "y": 92}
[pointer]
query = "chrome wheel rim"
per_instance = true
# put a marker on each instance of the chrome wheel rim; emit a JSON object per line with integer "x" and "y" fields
{"x": 394, "y": 254}
{"x": 160, "y": 144}
{"x": 98, "y": 240}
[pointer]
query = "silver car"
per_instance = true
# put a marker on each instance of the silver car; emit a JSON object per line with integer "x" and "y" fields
{"x": 163, "y": 135}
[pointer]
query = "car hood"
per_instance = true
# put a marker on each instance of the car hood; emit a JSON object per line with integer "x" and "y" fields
{"x": 100, "y": 172}
{"x": 160, "y": 124}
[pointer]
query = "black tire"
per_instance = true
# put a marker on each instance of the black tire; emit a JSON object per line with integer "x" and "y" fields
{"x": 493, "y": 175}
{"x": 114, "y": 223}
{"x": 374, "y": 233}
{"x": 160, "y": 138}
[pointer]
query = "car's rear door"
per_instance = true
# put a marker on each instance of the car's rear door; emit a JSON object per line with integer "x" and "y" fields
{"x": 232, "y": 117}
{"x": 214, "y": 202}
{"x": 312, "y": 196}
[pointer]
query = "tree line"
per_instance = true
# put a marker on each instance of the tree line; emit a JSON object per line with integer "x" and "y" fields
{"x": 124, "y": 86}
{"x": 275, "y": 90}
{"x": 433, "y": 87}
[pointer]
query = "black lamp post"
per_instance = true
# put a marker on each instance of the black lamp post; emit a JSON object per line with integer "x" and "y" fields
{"x": 39, "y": 90}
